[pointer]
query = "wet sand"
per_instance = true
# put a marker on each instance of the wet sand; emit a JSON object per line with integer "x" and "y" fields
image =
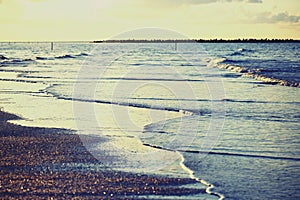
{"x": 36, "y": 163}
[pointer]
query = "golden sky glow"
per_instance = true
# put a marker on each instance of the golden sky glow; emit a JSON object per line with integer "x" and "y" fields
{"x": 24, "y": 20}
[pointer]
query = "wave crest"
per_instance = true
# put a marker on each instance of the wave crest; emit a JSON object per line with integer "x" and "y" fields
{"x": 252, "y": 73}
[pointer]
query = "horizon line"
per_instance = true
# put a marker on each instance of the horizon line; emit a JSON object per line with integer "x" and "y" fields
{"x": 157, "y": 40}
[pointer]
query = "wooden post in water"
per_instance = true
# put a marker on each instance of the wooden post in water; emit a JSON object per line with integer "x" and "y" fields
{"x": 51, "y": 46}
{"x": 175, "y": 46}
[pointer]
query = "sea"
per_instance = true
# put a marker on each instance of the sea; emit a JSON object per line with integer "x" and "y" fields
{"x": 224, "y": 114}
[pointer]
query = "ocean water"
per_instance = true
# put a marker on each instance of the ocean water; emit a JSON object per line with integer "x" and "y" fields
{"x": 211, "y": 112}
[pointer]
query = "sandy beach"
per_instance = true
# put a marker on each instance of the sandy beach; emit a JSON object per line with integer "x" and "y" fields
{"x": 35, "y": 164}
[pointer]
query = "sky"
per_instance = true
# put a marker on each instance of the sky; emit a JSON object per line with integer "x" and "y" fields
{"x": 87, "y": 20}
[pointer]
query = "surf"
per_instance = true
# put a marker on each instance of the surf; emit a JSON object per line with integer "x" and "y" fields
{"x": 247, "y": 72}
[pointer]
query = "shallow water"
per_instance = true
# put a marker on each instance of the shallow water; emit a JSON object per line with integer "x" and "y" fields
{"x": 154, "y": 105}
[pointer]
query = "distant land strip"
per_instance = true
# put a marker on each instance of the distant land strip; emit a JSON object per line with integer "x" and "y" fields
{"x": 199, "y": 41}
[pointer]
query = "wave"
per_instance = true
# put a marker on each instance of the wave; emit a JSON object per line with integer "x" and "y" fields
{"x": 225, "y": 153}
{"x": 8, "y": 61}
{"x": 17, "y": 61}
{"x": 241, "y": 155}
{"x": 252, "y": 73}
{"x": 191, "y": 173}
{"x": 236, "y": 54}
{"x": 66, "y": 56}
{"x": 241, "y": 52}
{"x": 20, "y": 80}
{"x": 186, "y": 112}
{"x": 3, "y": 57}
{"x": 153, "y": 79}
{"x": 252, "y": 101}
{"x": 82, "y": 54}
{"x": 245, "y": 50}
{"x": 216, "y": 60}
{"x": 203, "y": 182}
{"x": 270, "y": 80}
{"x": 233, "y": 68}
{"x": 43, "y": 58}
{"x": 210, "y": 100}
{"x": 136, "y": 105}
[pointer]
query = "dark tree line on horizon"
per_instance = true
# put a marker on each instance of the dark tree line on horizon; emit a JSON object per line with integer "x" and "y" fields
{"x": 197, "y": 41}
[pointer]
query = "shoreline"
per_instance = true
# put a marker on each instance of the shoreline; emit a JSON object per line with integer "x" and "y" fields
{"x": 35, "y": 163}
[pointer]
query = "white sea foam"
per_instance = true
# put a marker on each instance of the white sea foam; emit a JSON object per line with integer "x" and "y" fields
{"x": 192, "y": 176}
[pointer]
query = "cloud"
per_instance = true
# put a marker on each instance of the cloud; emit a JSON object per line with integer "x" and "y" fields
{"x": 212, "y": 1}
{"x": 255, "y": 1}
{"x": 267, "y": 17}
{"x": 284, "y": 17}
{"x": 36, "y": 0}
{"x": 2, "y": 1}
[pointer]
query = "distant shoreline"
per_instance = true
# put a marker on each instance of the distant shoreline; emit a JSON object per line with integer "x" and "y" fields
{"x": 169, "y": 41}
{"x": 201, "y": 41}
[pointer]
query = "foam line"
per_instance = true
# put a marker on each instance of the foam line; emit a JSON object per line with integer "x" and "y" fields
{"x": 248, "y": 73}
{"x": 153, "y": 79}
{"x": 191, "y": 173}
{"x": 136, "y": 105}
{"x": 203, "y": 182}
{"x": 243, "y": 155}
{"x": 225, "y": 154}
